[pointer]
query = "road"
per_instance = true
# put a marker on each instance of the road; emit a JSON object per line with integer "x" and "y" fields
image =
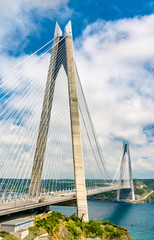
{"x": 146, "y": 195}
{"x": 18, "y": 205}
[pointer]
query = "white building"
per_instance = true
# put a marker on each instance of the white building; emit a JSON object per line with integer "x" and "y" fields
{"x": 17, "y": 224}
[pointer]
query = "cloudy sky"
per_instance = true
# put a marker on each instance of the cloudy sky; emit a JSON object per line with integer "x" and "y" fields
{"x": 114, "y": 53}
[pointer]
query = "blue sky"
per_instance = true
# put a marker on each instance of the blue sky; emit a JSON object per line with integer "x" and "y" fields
{"x": 81, "y": 14}
{"x": 113, "y": 43}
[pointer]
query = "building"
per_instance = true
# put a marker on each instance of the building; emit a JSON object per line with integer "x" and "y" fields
{"x": 16, "y": 225}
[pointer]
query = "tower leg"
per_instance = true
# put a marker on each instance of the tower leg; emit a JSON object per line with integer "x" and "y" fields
{"x": 126, "y": 194}
{"x": 44, "y": 121}
{"x": 82, "y": 209}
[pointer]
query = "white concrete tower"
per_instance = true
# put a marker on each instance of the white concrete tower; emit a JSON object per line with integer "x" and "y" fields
{"x": 45, "y": 119}
{"x": 126, "y": 193}
{"x": 75, "y": 128}
{"x": 69, "y": 65}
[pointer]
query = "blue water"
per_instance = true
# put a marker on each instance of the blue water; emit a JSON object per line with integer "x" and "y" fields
{"x": 138, "y": 219}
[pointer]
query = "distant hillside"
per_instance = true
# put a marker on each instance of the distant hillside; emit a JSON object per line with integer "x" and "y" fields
{"x": 108, "y": 196}
{"x": 143, "y": 190}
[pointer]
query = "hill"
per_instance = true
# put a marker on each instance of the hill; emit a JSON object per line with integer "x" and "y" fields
{"x": 61, "y": 227}
{"x": 144, "y": 192}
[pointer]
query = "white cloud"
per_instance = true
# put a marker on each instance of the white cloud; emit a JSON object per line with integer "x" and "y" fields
{"x": 115, "y": 61}
{"x": 17, "y": 19}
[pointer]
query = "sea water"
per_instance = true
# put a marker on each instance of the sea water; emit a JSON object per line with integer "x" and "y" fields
{"x": 138, "y": 219}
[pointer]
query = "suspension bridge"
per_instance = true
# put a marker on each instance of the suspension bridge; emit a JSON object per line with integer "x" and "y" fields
{"x": 50, "y": 153}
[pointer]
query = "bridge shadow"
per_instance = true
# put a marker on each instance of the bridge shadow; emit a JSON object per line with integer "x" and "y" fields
{"x": 120, "y": 212}
{"x": 116, "y": 212}
{"x": 22, "y": 214}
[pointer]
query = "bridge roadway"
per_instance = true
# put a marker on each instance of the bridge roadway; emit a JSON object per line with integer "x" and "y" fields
{"x": 57, "y": 198}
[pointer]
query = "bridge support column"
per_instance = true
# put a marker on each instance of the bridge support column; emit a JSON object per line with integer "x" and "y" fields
{"x": 126, "y": 193}
{"x": 68, "y": 62}
{"x": 82, "y": 209}
{"x": 45, "y": 119}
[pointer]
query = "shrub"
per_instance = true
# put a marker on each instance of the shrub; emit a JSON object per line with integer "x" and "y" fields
{"x": 50, "y": 222}
{"x": 109, "y": 229}
{"x": 33, "y": 228}
{"x": 3, "y": 233}
{"x": 116, "y": 234}
{"x": 93, "y": 227}
{"x": 66, "y": 218}
{"x": 81, "y": 225}
{"x": 106, "y": 222}
{"x": 139, "y": 191}
{"x": 74, "y": 217}
{"x": 121, "y": 228}
{"x": 73, "y": 229}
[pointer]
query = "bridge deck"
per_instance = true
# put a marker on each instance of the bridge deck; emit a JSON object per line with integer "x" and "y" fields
{"x": 57, "y": 198}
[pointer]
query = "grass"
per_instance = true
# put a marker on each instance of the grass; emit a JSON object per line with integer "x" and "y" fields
{"x": 7, "y": 236}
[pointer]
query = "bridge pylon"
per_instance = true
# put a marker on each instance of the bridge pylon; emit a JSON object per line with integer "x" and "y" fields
{"x": 67, "y": 60}
{"x": 126, "y": 191}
